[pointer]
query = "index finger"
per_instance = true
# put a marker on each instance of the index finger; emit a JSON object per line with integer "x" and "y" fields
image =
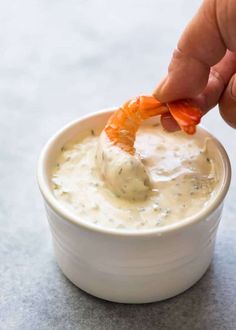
{"x": 200, "y": 47}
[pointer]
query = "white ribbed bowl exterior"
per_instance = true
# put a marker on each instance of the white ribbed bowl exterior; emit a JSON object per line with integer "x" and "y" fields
{"x": 129, "y": 267}
{"x": 134, "y": 269}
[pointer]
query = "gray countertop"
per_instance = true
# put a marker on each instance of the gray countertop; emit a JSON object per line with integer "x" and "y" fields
{"x": 59, "y": 60}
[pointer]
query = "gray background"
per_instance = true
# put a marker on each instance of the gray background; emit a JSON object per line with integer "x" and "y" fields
{"x": 59, "y": 60}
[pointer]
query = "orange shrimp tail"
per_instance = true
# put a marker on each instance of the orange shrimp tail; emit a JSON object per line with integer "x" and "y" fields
{"x": 186, "y": 115}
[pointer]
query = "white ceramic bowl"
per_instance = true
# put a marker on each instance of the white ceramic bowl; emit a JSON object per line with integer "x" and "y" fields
{"x": 131, "y": 266}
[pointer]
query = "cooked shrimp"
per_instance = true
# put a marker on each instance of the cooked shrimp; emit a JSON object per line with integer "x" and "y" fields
{"x": 118, "y": 163}
{"x": 122, "y": 126}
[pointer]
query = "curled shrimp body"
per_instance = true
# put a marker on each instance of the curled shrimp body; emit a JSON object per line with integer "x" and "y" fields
{"x": 121, "y": 128}
{"x": 121, "y": 168}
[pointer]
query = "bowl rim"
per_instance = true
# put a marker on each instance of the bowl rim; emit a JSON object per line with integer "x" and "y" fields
{"x": 69, "y": 216}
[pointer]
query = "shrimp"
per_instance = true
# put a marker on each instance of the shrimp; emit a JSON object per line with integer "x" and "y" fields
{"x": 122, "y": 126}
{"x": 121, "y": 168}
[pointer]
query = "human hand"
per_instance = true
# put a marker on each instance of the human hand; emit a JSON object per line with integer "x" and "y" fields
{"x": 203, "y": 67}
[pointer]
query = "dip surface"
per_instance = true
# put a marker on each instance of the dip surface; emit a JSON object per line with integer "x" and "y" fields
{"x": 182, "y": 175}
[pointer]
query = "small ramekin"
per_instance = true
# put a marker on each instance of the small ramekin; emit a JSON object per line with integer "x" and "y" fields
{"x": 130, "y": 266}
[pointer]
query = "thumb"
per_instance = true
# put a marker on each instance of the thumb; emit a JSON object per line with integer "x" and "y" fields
{"x": 200, "y": 47}
{"x": 186, "y": 78}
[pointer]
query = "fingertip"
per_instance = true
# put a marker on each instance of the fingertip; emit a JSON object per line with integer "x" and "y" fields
{"x": 168, "y": 123}
{"x": 227, "y": 104}
{"x": 158, "y": 91}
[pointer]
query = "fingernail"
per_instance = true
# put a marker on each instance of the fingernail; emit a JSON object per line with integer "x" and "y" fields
{"x": 233, "y": 87}
{"x": 169, "y": 123}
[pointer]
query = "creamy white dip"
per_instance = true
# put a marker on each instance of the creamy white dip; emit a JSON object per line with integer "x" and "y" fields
{"x": 182, "y": 180}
